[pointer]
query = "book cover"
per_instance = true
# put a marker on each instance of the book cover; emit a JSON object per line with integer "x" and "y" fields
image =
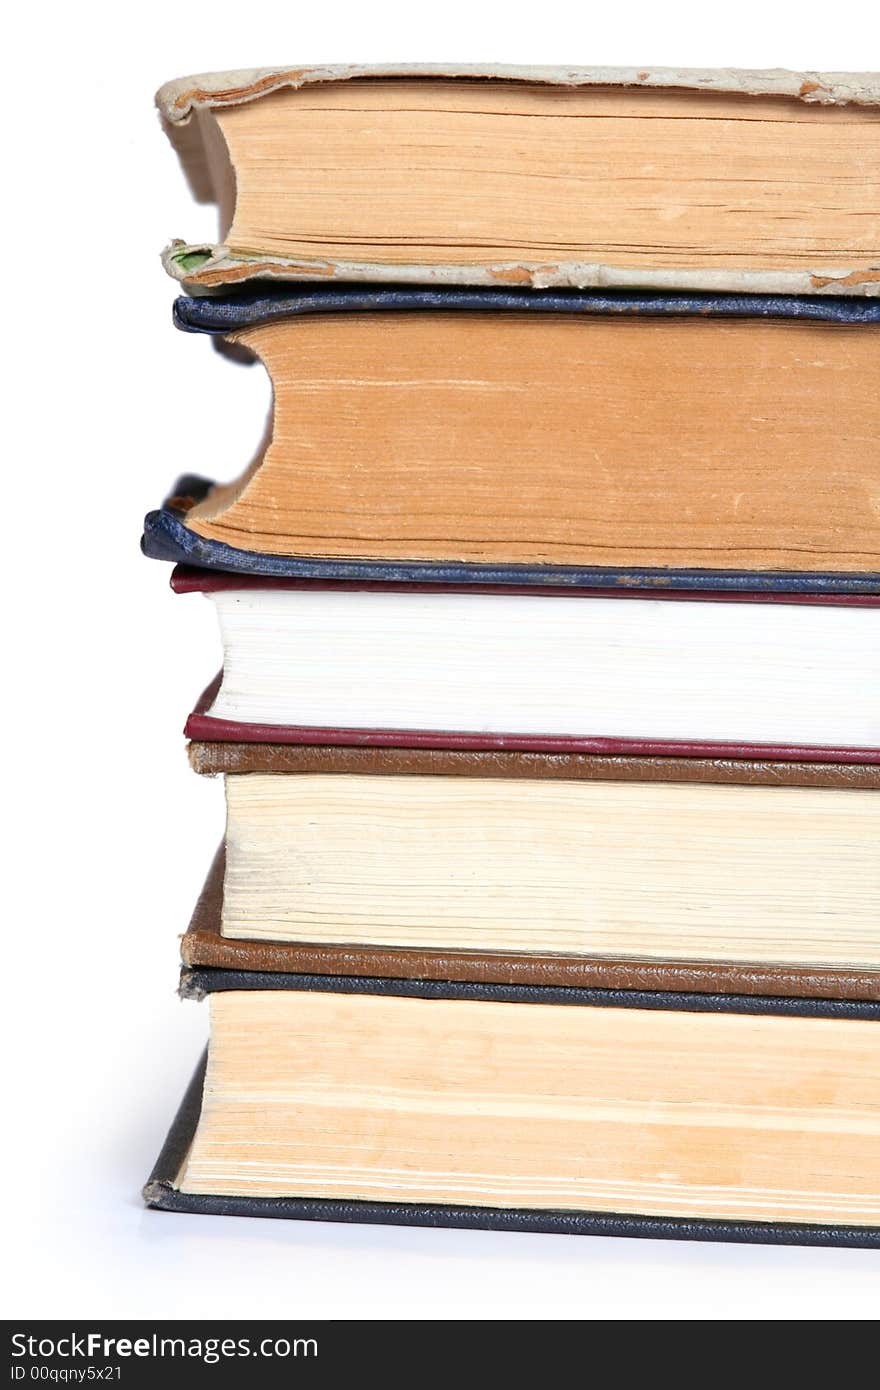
{"x": 165, "y": 1187}
{"x": 180, "y": 530}
{"x": 203, "y": 727}
{"x": 203, "y": 948}
{"x": 204, "y": 267}
{"x": 166, "y": 536}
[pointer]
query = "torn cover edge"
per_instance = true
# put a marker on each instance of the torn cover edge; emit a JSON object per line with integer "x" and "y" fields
{"x": 205, "y": 268}
{"x": 178, "y": 98}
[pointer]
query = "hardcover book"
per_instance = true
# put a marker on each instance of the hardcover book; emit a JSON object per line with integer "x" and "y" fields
{"x": 534, "y": 176}
{"x": 549, "y": 610}
{"x": 575, "y": 1111}
{"x": 540, "y": 437}
{"x": 270, "y": 953}
{"x": 550, "y": 670}
{"x": 553, "y": 860}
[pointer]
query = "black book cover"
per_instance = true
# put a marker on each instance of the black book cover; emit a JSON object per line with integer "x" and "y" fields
{"x": 161, "y": 1191}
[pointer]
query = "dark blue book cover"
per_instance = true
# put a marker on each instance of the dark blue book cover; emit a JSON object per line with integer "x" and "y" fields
{"x": 167, "y": 535}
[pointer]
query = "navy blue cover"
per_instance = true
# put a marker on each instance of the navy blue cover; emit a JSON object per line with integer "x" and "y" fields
{"x": 229, "y": 313}
{"x": 167, "y": 537}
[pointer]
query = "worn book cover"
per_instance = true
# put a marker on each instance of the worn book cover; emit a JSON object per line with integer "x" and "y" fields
{"x": 519, "y": 467}
{"x": 684, "y": 170}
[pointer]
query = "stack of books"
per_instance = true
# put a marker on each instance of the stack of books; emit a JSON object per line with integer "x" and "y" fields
{"x": 550, "y": 612}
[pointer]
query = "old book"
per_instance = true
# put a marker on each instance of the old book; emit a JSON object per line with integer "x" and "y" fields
{"x": 602, "y": 438}
{"x": 559, "y": 670}
{"x": 205, "y": 945}
{"x": 696, "y": 179}
{"x": 756, "y": 873}
{"x": 574, "y": 1111}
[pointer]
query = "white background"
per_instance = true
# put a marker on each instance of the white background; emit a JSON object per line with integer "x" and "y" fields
{"x": 106, "y": 834}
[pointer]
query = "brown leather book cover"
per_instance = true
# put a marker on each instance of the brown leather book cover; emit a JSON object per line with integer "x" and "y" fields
{"x": 203, "y": 946}
{"x": 211, "y": 758}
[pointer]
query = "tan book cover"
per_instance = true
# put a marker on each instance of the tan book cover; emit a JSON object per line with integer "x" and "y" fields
{"x": 721, "y": 193}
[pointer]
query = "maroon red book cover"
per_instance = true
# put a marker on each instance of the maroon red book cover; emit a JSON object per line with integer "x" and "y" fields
{"x": 203, "y": 726}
